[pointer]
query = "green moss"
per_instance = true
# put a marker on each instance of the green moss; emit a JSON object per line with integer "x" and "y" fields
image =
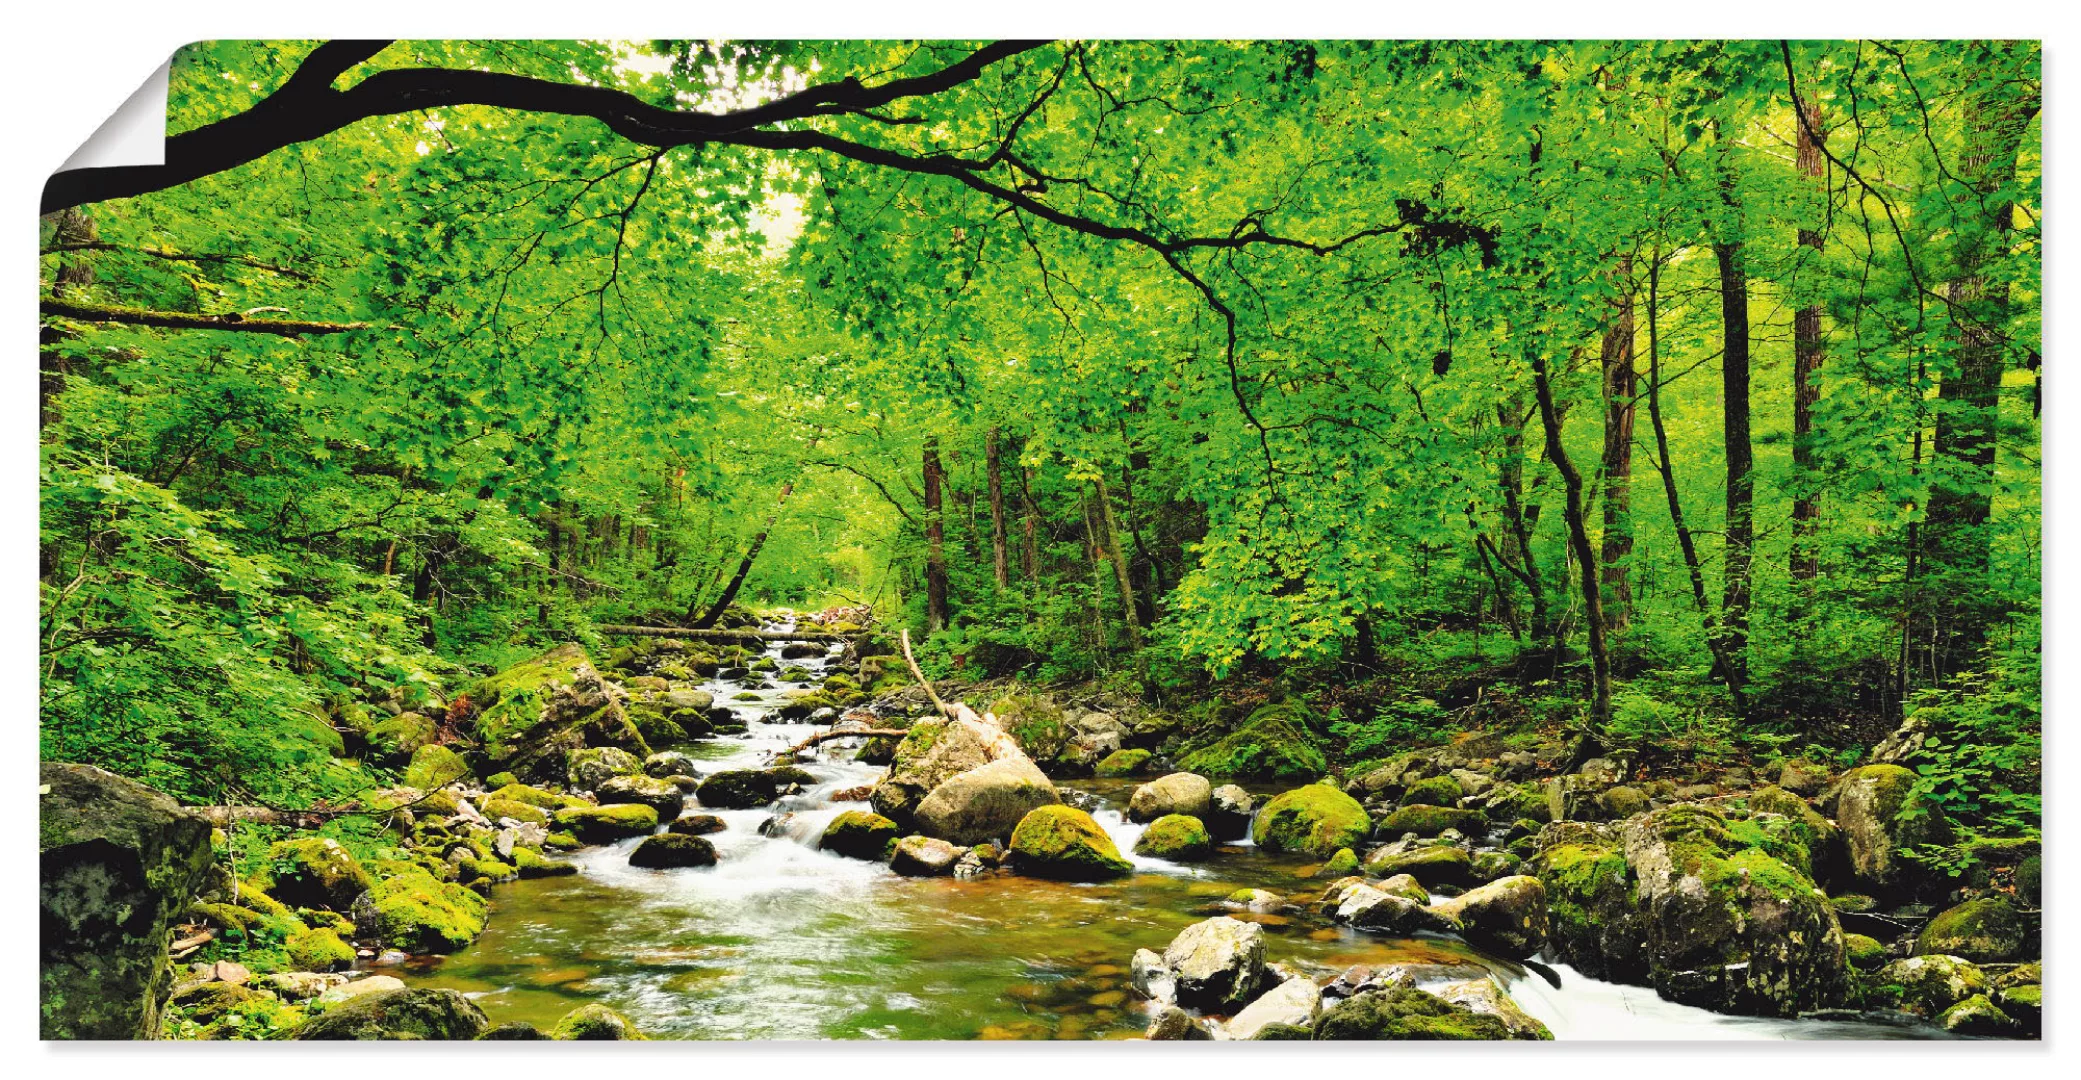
{"x": 1515, "y": 802}
{"x": 1437, "y": 791}
{"x": 1175, "y": 836}
{"x": 533, "y": 864}
{"x": 1034, "y": 721}
{"x": 536, "y": 797}
{"x": 599, "y": 824}
{"x": 418, "y": 914}
{"x": 1315, "y": 820}
{"x": 434, "y": 765}
{"x": 1432, "y": 820}
{"x": 858, "y": 834}
{"x": 1063, "y": 842}
{"x": 313, "y": 872}
{"x": 1343, "y": 863}
{"x": 1985, "y": 931}
{"x": 1580, "y": 879}
{"x": 594, "y": 1023}
{"x": 1864, "y": 953}
{"x": 1405, "y": 1014}
{"x": 1273, "y": 744}
{"x": 496, "y": 808}
{"x": 500, "y": 779}
{"x": 1122, "y": 763}
{"x": 396, "y": 738}
{"x": 319, "y": 950}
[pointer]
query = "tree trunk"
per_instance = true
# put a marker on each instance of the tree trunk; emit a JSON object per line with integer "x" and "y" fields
{"x": 1522, "y": 520}
{"x": 1714, "y": 642}
{"x": 1029, "y": 547}
{"x": 1956, "y": 538}
{"x": 751, "y": 555}
{"x": 1585, "y": 555}
{"x": 997, "y": 541}
{"x": 1111, "y": 533}
{"x": 1741, "y": 492}
{"x": 1806, "y": 362}
{"x": 935, "y": 542}
{"x": 1621, "y": 384}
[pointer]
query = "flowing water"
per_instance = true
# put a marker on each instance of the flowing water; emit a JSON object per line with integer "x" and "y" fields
{"x": 782, "y": 941}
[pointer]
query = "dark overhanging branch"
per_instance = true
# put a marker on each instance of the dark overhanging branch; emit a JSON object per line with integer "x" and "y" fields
{"x": 183, "y": 320}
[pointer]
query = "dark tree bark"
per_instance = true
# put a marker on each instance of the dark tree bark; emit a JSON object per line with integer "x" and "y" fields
{"x": 1522, "y": 520}
{"x": 751, "y": 555}
{"x": 1585, "y": 557}
{"x": 1807, "y": 353}
{"x": 935, "y": 541}
{"x": 1110, "y": 532}
{"x": 999, "y": 562}
{"x": 1029, "y": 528}
{"x": 1621, "y": 385}
{"x": 1741, "y": 492}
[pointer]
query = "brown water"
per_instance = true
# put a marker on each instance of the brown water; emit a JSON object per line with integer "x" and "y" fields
{"x": 781, "y": 941}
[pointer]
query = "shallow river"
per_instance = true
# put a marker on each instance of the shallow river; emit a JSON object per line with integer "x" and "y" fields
{"x": 781, "y": 941}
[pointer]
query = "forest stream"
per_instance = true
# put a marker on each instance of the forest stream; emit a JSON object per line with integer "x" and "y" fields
{"x": 782, "y": 941}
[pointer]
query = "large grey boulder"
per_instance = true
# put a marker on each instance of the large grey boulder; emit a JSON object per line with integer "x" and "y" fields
{"x": 1178, "y": 793}
{"x": 986, "y": 802}
{"x": 400, "y": 1014}
{"x": 1217, "y": 964}
{"x": 1506, "y": 916}
{"x": 119, "y": 864}
{"x": 1295, "y": 1002}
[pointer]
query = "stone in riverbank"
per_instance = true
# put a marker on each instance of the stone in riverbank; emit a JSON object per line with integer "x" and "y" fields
{"x": 1063, "y": 842}
{"x": 925, "y": 856}
{"x": 672, "y": 851}
{"x": 1434, "y": 866}
{"x": 1879, "y": 814}
{"x": 313, "y": 872}
{"x": 984, "y": 803}
{"x": 857, "y": 834}
{"x": 119, "y": 863}
{"x": 934, "y": 752}
{"x": 538, "y": 711}
{"x": 1215, "y": 965}
{"x": 419, "y": 914}
{"x": 1175, "y": 836}
{"x": 1985, "y": 931}
{"x": 1401, "y": 1013}
{"x": 660, "y": 795}
{"x": 399, "y": 1014}
{"x": 1272, "y": 744}
{"x": 1229, "y": 811}
{"x": 745, "y": 789}
{"x": 603, "y": 824}
{"x": 595, "y": 1023}
{"x": 1178, "y": 793}
{"x": 1313, "y": 820}
{"x": 1506, "y": 917}
{"x": 587, "y": 769}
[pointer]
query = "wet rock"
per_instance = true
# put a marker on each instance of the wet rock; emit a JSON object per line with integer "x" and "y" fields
{"x": 1064, "y": 843}
{"x": 1985, "y": 931}
{"x": 1294, "y": 1002}
{"x": 1173, "y": 1023}
{"x": 672, "y": 851}
{"x": 1368, "y": 908}
{"x": 1483, "y": 996}
{"x": 587, "y": 769}
{"x": 698, "y": 825}
{"x": 986, "y": 802}
{"x": 1315, "y": 820}
{"x": 399, "y": 1014}
{"x": 857, "y": 834}
{"x": 1928, "y": 985}
{"x": 926, "y": 856}
{"x": 1229, "y": 811}
{"x": 933, "y": 752}
{"x": 1879, "y": 813}
{"x": 1175, "y": 836}
{"x": 1424, "y": 820}
{"x": 745, "y": 789}
{"x": 1494, "y": 865}
{"x": 1177, "y": 793}
{"x": 668, "y": 764}
{"x": 605, "y": 824}
{"x": 1151, "y": 977}
{"x": 594, "y": 1023}
{"x": 1435, "y": 866}
{"x": 1506, "y": 917}
{"x": 1401, "y": 1013}
{"x": 1217, "y": 964}
{"x": 372, "y": 984}
{"x": 659, "y": 795}
{"x": 1122, "y": 763}
{"x": 418, "y": 913}
{"x": 119, "y": 863}
{"x": 1976, "y": 1016}
{"x": 512, "y": 1031}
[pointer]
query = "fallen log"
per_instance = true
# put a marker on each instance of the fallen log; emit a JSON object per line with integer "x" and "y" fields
{"x": 827, "y": 736}
{"x": 725, "y": 635}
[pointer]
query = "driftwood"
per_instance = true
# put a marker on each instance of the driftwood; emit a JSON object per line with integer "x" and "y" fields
{"x": 224, "y": 817}
{"x": 724, "y": 635}
{"x": 920, "y": 675}
{"x": 187, "y": 945}
{"x": 183, "y": 320}
{"x": 827, "y": 736}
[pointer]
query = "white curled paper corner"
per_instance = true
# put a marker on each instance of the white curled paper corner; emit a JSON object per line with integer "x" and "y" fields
{"x": 134, "y": 135}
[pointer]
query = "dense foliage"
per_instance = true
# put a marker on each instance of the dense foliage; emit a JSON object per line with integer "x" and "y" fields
{"x": 1681, "y": 392}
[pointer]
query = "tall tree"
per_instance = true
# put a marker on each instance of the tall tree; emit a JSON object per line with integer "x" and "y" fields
{"x": 1621, "y": 387}
{"x": 1740, "y": 521}
{"x": 936, "y": 613}
{"x": 1807, "y": 353}
{"x": 998, "y": 560}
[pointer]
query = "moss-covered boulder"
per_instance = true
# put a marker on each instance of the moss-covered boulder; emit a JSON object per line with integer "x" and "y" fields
{"x": 513, "y": 1031}
{"x": 119, "y": 863}
{"x": 932, "y": 752}
{"x": 1273, "y": 744}
{"x": 587, "y": 768}
{"x": 418, "y": 914}
{"x": 1341, "y": 864}
{"x": 672, "y": 851}
{"x": 1176, "y": 793}
{"x": 399, "y": 1014}
{"x": 1506, "y": 917}
{"x": 434, "y": 765}
{"x": 1437, "y": 866}
{"x": 984, "y": 803}
{"x": 536, "y": 712}
{"x": 496, "y": 809}
{"x": 536, "y": 797}
{"x": 313, "y": 872}
{"x": 1313, "y": 820}
{"x": 1176, "y": 836}
{"x": 1985, "y": 931}
{"x": 1866, "y": 954}
{"x": 1927, "y": 985}
{"x": 1976, "y": 1015}
{"x": 745, "y": 789}
{"x": 1403, "y": 1013}
{"x": 1436, "y": 791}
{"x": 1037, "y": 723}
{"x": 1063, "y": 842}
{"x": 1121, "y": 763}
{"x": 1674, "y": 899}
{"x": 393, "y": 741}
{"x": 319, "y": 950}
{"x": 595, "y": 1023}
{"x": 1428, "y": 821}
{"x": 698, "y": 824}
{"x": 605, "y": 824}
{"x": 660, "y": 795}
{"x": 859, "y": 834}
{"x": 1880, "y": 814}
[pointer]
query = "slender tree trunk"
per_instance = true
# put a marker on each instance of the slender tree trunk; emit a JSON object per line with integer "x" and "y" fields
{"x": 935, "y": 542}
{"x": 1029, "y": 527}
{"x": 1522, "y": 520}
{"x": 1714, "y": 642}
{"x": 1741, "y": 492}
{"x": 1585, "y": 556}
{"x": 1621, "y": 385}
{"x": 997, "y": 539}
{"x": 1118, "y": 558}
{"x": 751, "y": 555}
{"x": 1961, "y": 499}
{"x": 1806, "y": 363}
